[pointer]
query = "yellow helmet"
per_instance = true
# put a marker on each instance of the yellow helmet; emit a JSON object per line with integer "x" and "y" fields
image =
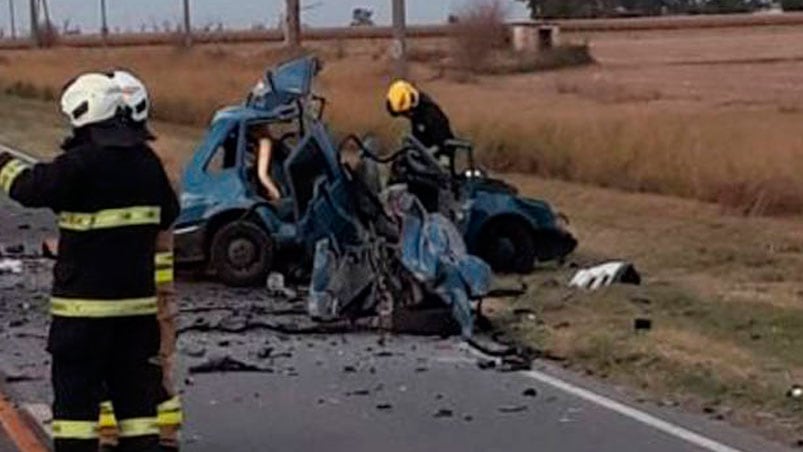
{"x": 402, "y": 97}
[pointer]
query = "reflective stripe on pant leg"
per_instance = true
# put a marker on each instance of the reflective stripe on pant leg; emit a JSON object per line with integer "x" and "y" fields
{"x": 164, "y": 267}
{"x": 63, "y": 429}
{"x": 144, "y": 426}
{"x": 170, "y": 414}
{"x": 107, "y": 419}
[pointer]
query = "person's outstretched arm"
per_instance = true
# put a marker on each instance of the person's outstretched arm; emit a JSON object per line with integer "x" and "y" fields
{"x": 263, "y": 168}
{"x": 39, "y": 185}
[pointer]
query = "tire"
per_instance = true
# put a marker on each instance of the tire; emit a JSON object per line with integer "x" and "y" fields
{"x": 242, "y": 254}
{"x": 509, "y": 246}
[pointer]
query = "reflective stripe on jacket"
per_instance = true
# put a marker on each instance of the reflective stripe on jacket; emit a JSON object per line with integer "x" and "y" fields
{"x": 111, "y": 203}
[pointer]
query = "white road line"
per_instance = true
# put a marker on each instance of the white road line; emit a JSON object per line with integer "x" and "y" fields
{"x": 632, "y": 413}
{"x": 620, "y": 408}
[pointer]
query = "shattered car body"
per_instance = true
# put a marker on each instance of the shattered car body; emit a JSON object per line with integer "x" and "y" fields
{"x": 509, "y": 231}
{"x": 424, "y": 261}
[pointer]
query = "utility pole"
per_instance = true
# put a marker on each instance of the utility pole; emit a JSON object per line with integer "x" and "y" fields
{"x": 292, "y": 30}
{"x": 104, "y": 22}
{"x": 187, "y": 24}
{"x": 34, "y": 9}
{"x": 13, "y": 19}
{"x": 399, "y": 47}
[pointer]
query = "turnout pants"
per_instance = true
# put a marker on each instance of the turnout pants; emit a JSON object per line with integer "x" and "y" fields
{"x": 169, "y": 412}
{"x": 95, "y": 358}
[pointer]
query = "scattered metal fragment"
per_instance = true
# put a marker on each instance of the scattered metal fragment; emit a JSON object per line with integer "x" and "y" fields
{"x": 21, "y": 378}
{"x": 485, "y": 364}
{"x": 277, "y": 288}
{"x": 443, "y": 413}
{"x": 606, "y": 275}
{"x": 530, "y": 392}
{"x": 384, "y": 407}
{"x": 194, "y": 351}
{"x": 227, "y": 364}
{"x": 468, "y": 418}
{"x": 359, "y": 392}
{"x": 15, "y": 249}
{"x": 10, "y": 266}
{"x": 508, "y": 409}
{"x": 349, "y": 369}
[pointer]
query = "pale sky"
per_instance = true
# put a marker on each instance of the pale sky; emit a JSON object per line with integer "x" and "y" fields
{"x": 233, "y": 13}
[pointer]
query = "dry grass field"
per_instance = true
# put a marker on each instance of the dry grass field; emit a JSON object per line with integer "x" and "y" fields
{"x": 707, "y": 114}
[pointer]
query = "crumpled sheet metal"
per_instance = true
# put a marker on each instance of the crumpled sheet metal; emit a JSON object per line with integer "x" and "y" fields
{"x": 434, "y": 252}
{"x": 606, "y": 275}
{"x": 340, "y": 279}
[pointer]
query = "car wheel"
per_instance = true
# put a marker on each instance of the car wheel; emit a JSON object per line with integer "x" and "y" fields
{"x": 242, "y": 254}
{"x": 509, "y": 246}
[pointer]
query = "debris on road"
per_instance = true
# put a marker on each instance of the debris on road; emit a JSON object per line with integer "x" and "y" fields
{"x": 605, "y": 275}
{"x": 510, "y": 409}
{"x": 227, "y": 364}
{"x": 485, "y": 364}
{"x": 530, "y": 392}
{"x": 15, "y": 249}
{"x": 384, "y": 407}
{"x": 10, "y": 266}
{"x": 443, "y": 413}
{"x": 277, "y": 288}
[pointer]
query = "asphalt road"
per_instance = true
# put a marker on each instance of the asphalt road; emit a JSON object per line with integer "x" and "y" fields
{"x": 358, "y": 392}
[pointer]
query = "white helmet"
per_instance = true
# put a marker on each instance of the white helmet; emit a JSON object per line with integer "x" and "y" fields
{"x": 135, "y": 95}
{"x": 91, "y": 98}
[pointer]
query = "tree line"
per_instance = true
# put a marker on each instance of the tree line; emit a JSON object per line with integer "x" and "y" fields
{"x": 620, "y": 8}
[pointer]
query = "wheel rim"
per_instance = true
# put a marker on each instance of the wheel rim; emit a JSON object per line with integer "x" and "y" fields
{"x": 241, "y": 253}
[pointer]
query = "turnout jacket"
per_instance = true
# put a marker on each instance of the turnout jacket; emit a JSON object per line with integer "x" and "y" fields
{"x": 111, "y": 202}
{"x": 430, "y": 124}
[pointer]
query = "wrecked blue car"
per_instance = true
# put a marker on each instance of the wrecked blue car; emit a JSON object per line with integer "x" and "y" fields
{"x": 229, "y": 227}
{"x": 226, "y": 223}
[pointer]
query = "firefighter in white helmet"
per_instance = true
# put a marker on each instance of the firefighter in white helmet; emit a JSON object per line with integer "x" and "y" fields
{"x": 108, "y": 187}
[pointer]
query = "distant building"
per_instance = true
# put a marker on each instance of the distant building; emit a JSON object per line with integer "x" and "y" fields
{"x": 362, "y": 17}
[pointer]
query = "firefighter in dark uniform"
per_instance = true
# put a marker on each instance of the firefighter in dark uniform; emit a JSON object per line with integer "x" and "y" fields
{"x": 429, "y": 125}
{"x": 112, "y": 198}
